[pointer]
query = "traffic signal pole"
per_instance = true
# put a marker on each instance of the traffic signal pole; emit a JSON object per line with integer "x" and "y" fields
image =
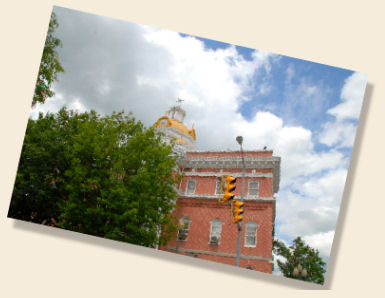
{"x": 239, "y": 140}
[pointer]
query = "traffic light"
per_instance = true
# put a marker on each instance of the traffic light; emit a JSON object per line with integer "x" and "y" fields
{"x": 237, "y": 210}
{"x": 229, "y": 188}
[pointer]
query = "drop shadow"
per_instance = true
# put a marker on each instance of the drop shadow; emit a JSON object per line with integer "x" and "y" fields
{"x": 348, "y": 187}
{"x": 158, "y": 254}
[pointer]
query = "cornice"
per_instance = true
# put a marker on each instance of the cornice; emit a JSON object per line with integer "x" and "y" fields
{"x": 235, "y": 162}
{"x": 215, "y": 197}
{"x": 234, "y": 174}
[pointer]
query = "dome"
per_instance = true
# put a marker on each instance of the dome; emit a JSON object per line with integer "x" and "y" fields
{"x": 174, "y": 130}
{"x": 167, "y": 122}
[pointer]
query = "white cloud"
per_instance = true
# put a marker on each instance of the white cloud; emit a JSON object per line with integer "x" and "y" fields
{"x": 341, "y": 132}
{"x": 352, "y": 95}
{"x": 338, "y": 133}
{"x": 322, "y": 242}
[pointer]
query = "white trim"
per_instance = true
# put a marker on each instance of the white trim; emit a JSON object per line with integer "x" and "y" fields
{"x": 256, "y": 234}
{"x": 207, "y": 196}
{"x": 195, "y": 185}
{"x": 217, "y": 220}
{"x": 234, "y": 174}
{"x": 235, "y": 162}
{"x": 248, "y": 188}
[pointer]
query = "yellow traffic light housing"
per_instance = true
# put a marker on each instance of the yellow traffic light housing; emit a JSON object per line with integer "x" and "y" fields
{"x": 229, "y": 187}
{"x": 237, "y": 210}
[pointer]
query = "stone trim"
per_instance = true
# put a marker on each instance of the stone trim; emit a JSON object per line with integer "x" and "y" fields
{"x": 251, "y": 162}
{"x": 219, "y": 254}
{"x": 230, "y": 151}
{"x": 211, "y": 197}
{"x": 235, "y": 162}
{"x": 219, "y": 174}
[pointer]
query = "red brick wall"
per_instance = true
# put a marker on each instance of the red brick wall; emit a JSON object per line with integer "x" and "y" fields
{"x": 207, "y": 185}
{"x": 202, "y": 212}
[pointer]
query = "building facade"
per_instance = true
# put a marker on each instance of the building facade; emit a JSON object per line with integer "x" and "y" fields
{"x": 207, "y": 230}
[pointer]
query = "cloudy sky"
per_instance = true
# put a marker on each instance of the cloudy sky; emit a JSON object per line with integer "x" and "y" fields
{"x": 306, "y": 112}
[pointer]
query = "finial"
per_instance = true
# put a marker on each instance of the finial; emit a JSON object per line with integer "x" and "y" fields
{"x": 179, "y": 101}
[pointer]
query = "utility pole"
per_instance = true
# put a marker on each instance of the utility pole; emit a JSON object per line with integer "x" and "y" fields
{"x": 240, "y": 140}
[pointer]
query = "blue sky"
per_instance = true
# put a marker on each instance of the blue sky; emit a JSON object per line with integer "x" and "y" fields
{"x": 306, "y": 112}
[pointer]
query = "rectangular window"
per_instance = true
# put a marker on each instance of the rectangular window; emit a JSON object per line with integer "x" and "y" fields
{"x": 215, "y": 231}
{"x": 253, "y": 188}
{"x": 251, "y": 234}
{"x": 190, "y": 189}
{"x": 217, "y": 186}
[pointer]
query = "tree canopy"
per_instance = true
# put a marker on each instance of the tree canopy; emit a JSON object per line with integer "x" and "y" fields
{"x": 105, "y": 176}
{"x": 50, "y": 65}
{"x": 300, "y": 254}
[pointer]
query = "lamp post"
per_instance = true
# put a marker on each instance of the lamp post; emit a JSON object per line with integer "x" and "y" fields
{"x": 240, "y": 141}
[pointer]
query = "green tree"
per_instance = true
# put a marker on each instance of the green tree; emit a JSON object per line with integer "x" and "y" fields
{"x": 50, "y": 65}
{"x": 300, "y": 253}
{"x": 105, "y": 176}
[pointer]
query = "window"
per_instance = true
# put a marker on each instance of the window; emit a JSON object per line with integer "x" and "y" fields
{"x": 251, "y": 234}
{"x": 218, "y": 185}
{"x": 190, "y": 189}
{"x": 215, "y": 231}
{"x": 253, "y": 188}
{"x": 184, "y": 225}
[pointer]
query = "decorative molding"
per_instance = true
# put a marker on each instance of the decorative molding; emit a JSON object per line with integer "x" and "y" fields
{"x": 219, "y": 174}
{"x": 174, "y": 133}
{"x": 215, "y": 197}
{"x": 235, "y": 162}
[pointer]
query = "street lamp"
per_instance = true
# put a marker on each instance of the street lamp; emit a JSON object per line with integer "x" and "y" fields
{"x": 239, "y": 139}
{"x": 300, "y": 271}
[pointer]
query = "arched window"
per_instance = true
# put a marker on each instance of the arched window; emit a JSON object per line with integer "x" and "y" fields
{"x": 184, "y": 226}
{"x": 215, "y": 231}
{"x": 251, "y": 234}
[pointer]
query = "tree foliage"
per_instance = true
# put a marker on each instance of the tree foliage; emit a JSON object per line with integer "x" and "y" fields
{"x": 300, "y": 253}
{"x": 105, "y": 176}
{"x": 50, "y": 65}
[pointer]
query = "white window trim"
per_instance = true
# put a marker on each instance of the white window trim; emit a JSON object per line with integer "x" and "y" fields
{"x": 195, "y": 186}
{"x": 248, "y": 191}
{"x": 256, "y": 234}
{"x": 211, "y": 230}
{"x": 216, "y": 184}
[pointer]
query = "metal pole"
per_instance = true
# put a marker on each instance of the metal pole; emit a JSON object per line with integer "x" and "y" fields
{"x": 240, "y": 222}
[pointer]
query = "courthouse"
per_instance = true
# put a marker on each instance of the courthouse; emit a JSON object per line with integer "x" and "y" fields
{"x": 207, "y": 230}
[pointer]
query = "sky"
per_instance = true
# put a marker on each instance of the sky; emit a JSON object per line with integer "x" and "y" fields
{"x": 306, "y": 112}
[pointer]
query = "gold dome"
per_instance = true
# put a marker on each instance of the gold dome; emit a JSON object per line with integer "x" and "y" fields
{"x": 181, "y": 141}
{"x": 167, "y": 122}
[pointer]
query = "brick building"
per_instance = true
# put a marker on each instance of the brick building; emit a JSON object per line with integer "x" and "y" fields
{"x": 207, "y": 230}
